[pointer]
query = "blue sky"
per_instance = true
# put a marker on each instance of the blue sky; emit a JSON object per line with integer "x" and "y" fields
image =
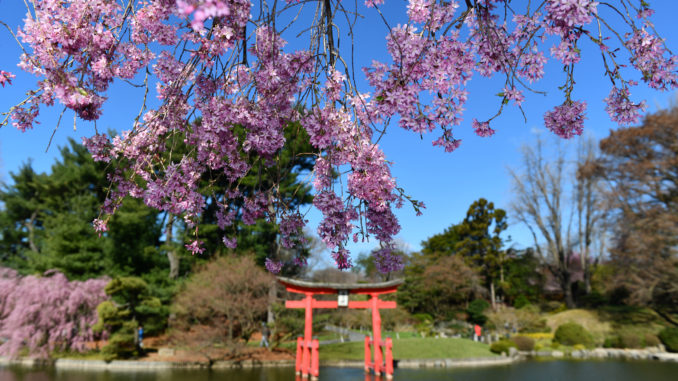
{"x": 447, "y": 182}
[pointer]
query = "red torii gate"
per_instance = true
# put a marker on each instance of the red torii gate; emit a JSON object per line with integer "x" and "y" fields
{"x": 307, "y": 348}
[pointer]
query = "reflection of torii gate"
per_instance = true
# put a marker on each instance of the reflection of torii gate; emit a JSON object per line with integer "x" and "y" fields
{"x": 307, "y": 348}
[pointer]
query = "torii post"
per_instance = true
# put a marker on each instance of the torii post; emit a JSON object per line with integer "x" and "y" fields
{"x": 307, "y": 348}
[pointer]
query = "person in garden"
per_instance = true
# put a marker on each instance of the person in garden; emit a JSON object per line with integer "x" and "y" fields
{"x": 140, "y": 337}
{"x": 265, "y": 333}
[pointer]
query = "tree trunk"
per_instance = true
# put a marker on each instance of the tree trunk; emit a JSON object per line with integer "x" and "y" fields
{"x": 272, "y": 297}
{"x": 171, "y": 253}
{"x": 493, "y": 296}
{"x": 30, "y": 225}
{"x": 566, "y": 285}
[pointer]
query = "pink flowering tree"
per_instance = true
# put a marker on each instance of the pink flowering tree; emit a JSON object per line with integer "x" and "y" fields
{"x": 228, "y": 63}
{"x": 47, "y": 313}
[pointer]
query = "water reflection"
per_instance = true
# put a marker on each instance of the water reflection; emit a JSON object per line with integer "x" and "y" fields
{"x": 526, "y": 371}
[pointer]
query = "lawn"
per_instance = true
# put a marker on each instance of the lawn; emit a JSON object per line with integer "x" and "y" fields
{"x": 411, "y": 348}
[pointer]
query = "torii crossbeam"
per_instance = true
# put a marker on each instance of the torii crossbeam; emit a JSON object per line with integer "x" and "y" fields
{"x": 307, "y": 348}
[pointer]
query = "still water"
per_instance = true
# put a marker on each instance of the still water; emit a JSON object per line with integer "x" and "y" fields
{"x": 525, "y": 371}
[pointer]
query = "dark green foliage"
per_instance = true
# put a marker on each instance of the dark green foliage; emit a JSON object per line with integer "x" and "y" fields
{"x": 444, "y": 243}
{"x": 471, "y": 248}
{"x": 502, "y": 346}
{"x": 479, "y": 243}
{"x": 282, "y": 174}
{"x": 46, "y": 223}
{"x": 521, "y": 301}
{"x": 523, "y": 343}
{"x": 618, "y": 296}
{"x": 132, "y": 306}
{"x": 573, "y": 334}
{"x": 669, "y": 337}
{"x": 522, "y": 277}
{"x": 593, "y": 300}
{"x": 476, "y": 311}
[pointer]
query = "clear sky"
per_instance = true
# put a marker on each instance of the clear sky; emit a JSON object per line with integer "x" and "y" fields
{"x": 447, "y": 182}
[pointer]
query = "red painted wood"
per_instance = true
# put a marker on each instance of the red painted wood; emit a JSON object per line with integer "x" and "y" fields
{"x": 376, "y": 335}
{"x": 333, "y": 291}
{"x": 333, "y": 304}
{"x": 307, "y": 349}
{"x": 297, "y": 363}
{"x": 308, "y": 334}
{"x": 368, "y": 354}
{"x": 315, "y": 363}
{"x": 389, "y": 357}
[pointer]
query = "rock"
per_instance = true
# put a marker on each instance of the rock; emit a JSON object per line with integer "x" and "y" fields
{"x": 557, "y": 354}
{"x": 513, "y": 352}
{"x": 598, "y": 353}
{"x": 614, "y": 353}
{"x": 578, "y": 354}
{"x": 166, "y": 352}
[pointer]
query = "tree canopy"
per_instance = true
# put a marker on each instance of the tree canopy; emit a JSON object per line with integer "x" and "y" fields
{"x": 640, "y": 168}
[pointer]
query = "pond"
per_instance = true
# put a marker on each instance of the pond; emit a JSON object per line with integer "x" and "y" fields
{"x": 524, "y": 371}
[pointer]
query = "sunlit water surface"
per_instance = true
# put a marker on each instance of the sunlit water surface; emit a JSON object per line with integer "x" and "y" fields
{"x": 524, "y": 371}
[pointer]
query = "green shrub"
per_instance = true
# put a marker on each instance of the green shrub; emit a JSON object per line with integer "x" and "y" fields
{"x": 424, "y": 324}
{"x": 523, "y": 343}
{"x": 553, "y": 307}
{"x": 502, "y": 346}
{"x": 132, "y": 306}
{"x": 122, "y": 344}
{"x": 475, "y": 311}
{"x": 612, "y": 342}
{"x": 669, "y": 337}
{"x": 626, "y": 339}
{"x": 618, "y": 296}
{"x": 630, "y": 340}
{"x": 521, "y": 301}
{"x": 594, "y": 299}
{"x": 651, "y": 340}
{"x": 572, "y": 334}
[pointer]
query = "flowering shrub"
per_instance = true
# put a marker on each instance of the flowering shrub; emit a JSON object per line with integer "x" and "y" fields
{"x": 226, "y": 62}
{"x": 47, "y": 313}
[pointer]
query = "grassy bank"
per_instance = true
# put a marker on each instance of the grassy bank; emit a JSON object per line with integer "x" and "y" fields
{"x": 411, "y": 348}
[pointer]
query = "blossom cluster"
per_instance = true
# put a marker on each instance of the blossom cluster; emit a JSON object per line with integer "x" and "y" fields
{"x": 621, "y": 109}
{"x": 566, "y": 120}
{"x": 228, "y": 85}
{"x": 46, "y": 313}
{"x": 6, "y": 77}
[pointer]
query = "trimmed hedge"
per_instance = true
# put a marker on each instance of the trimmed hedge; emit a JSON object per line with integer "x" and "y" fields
{"x": 502, "y": 346}
{"x": 572, "y": 334}
{"x": 523, "y": 343}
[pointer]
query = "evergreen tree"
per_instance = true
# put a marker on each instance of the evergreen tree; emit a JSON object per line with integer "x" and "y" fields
{"x": 46, "y": 222}
{"x": 480, "y": 244}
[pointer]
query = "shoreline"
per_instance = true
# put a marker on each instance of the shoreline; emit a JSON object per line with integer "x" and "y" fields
{"x": 515, "y": 356}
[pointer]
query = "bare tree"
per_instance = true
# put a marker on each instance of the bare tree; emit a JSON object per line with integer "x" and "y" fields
{"x": 591, "y": 210}
{"x": 541, "y": 203}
